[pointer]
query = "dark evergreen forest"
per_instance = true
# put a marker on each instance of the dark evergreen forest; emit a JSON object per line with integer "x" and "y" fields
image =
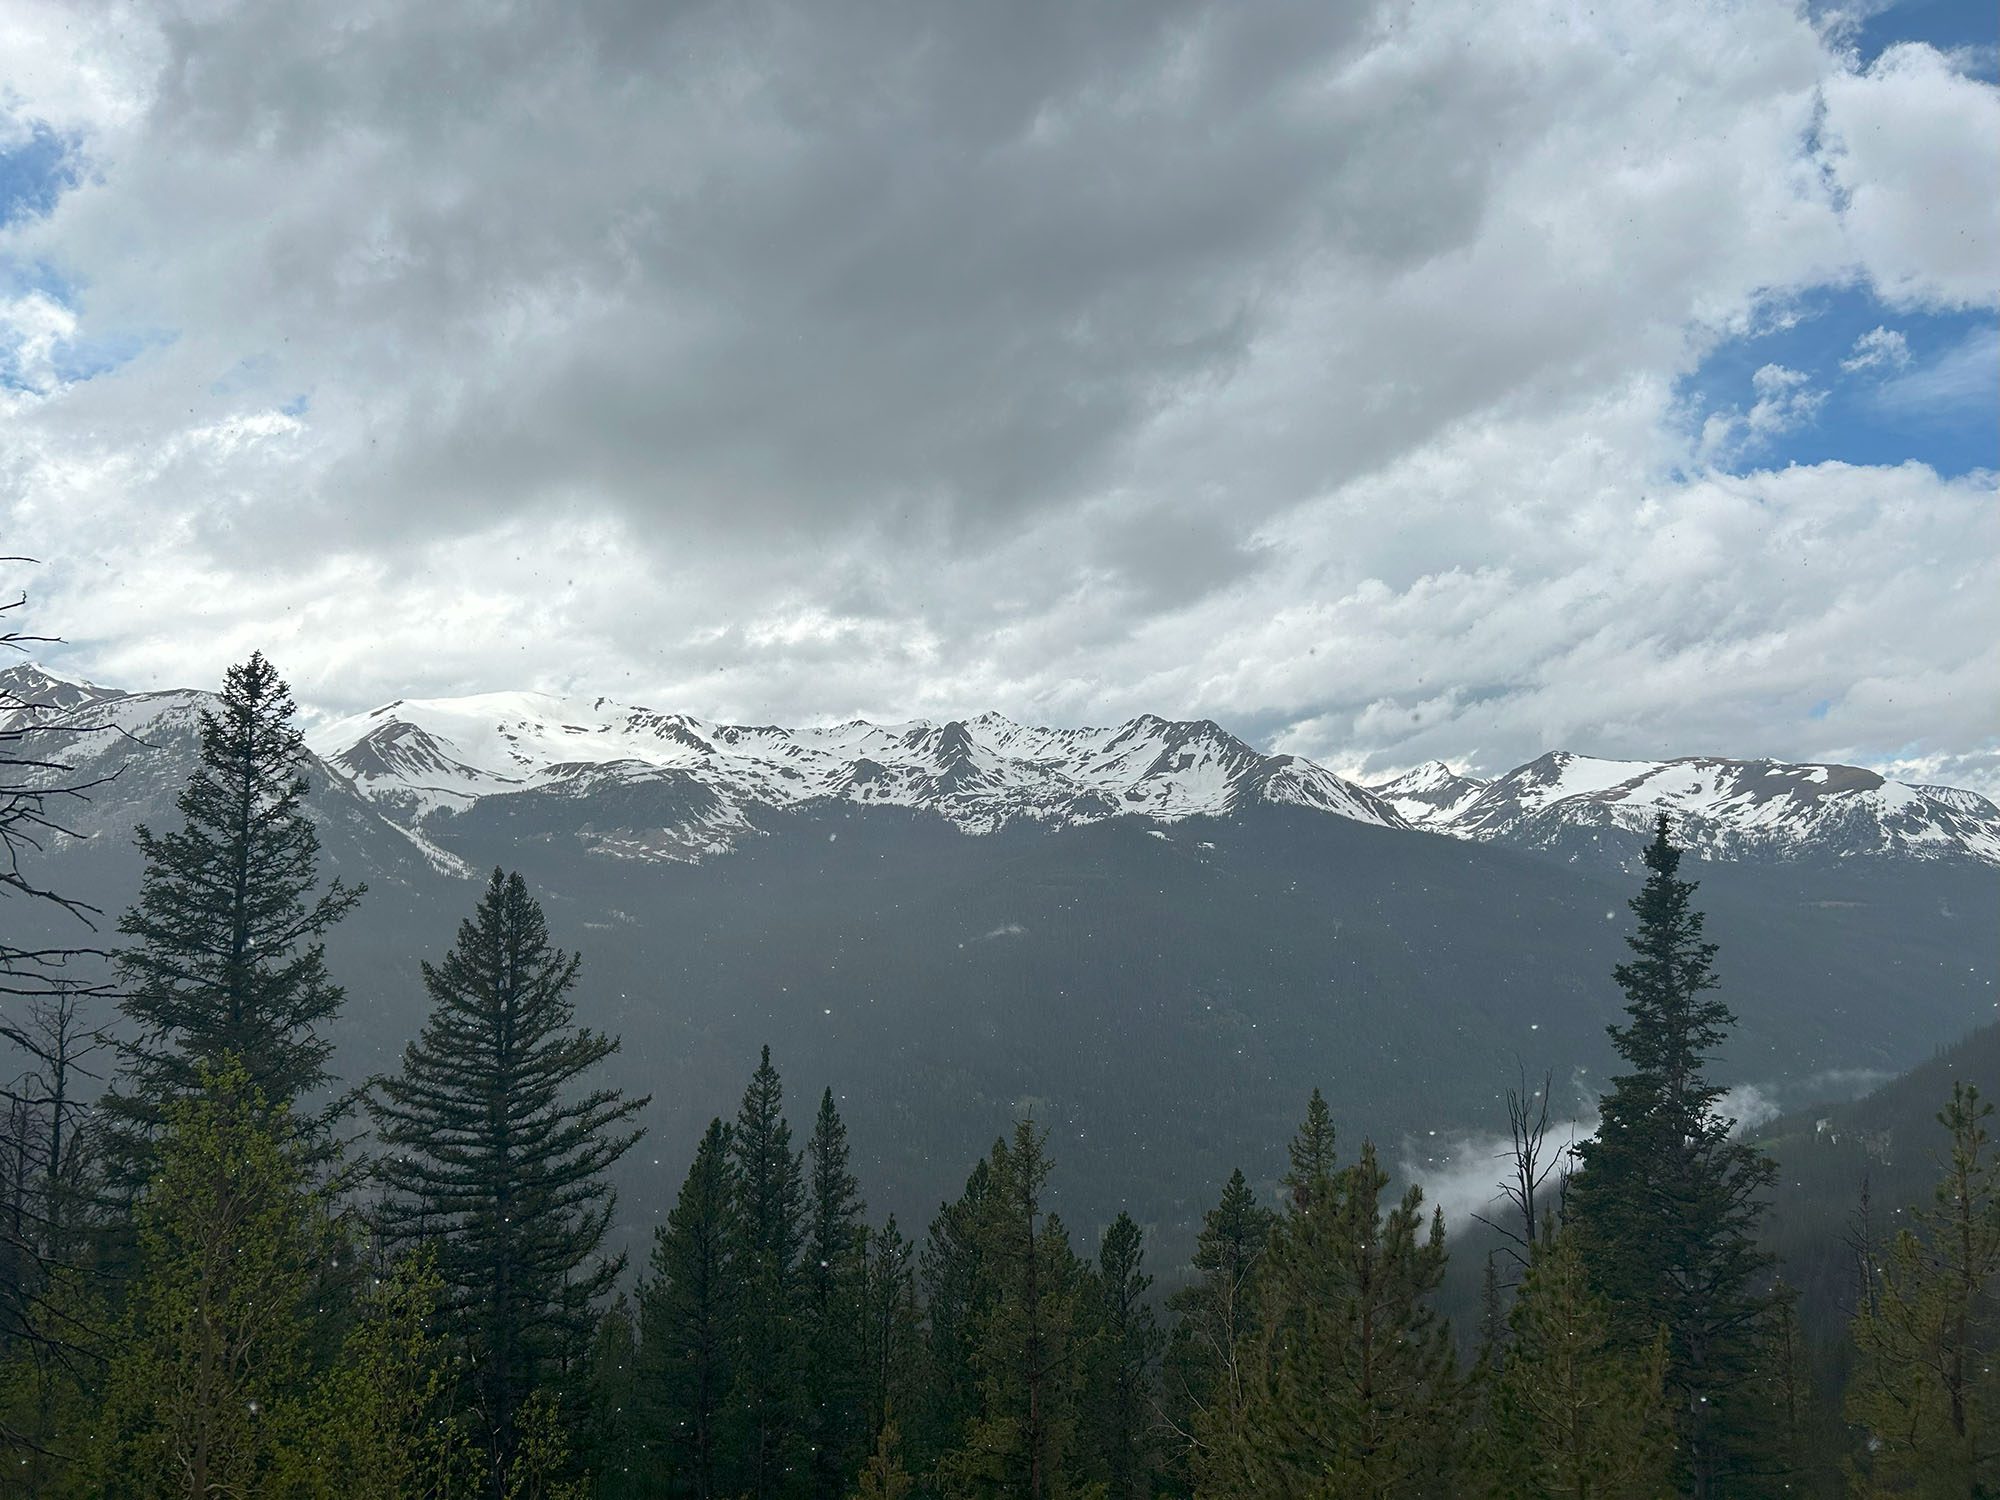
{"x": 240, "y": 1275}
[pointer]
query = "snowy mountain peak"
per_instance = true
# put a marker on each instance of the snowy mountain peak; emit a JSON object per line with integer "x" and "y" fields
{"x": 424, "y": 757}
{"x": 1433, "y": 794}
{"x": 1727, "y": 808}
{"x": 31, "y": 691}
{"x": 705, "y": 785}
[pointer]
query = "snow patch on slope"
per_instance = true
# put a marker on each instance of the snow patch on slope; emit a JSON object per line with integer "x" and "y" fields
{"x": 1721, "y": 808}
{"x": 428, "y": 757}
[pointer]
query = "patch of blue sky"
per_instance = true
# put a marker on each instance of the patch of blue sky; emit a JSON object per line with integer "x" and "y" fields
{"x": 1925, "y": 387}
{"x": 83, "y": 357}
{"x": 88, "y": 357}
{"x": 22, "y": 278}
{"x": 38, "y": 164}
{"x": 36, "y": 167}
{"x": 1969, "y": 28}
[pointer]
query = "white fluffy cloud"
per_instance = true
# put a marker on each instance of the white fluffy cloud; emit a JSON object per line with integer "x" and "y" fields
{"x": 1876, "y": 348}
{"x": 1311, "y": 370}
{"x": 1911, "y": 143}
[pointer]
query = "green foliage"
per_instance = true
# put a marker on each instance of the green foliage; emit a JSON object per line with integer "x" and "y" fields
{"x": 379, "y": 1424}
{"x": 891, "y": 1335}
{"x": 1572, "y": 1414}
{"x": 49, "y": 1400}
{"x": 687, "y": 1326}
{"x": 489, "y": 1157}
{"x": 883, "y": 1476}
{"x": 212, "y": 1342}
{"x": 1023, "y": 1440}
{"x": 226, "y": 955}
{"x": 540, "y": 1459}
{"x": 836, "y": 1243}
{"x": 1215, "y": 1318}
{"x": 1668, "y": 1204}
{"x": 957, "y": 1292}
{"x": 609, "y": 1449}
{"x": 1349, "y": 1380}
{"x": 768, "y": 1399}
{"x": 1926, "y": 1388}
{"x": 1124, "y": 1351}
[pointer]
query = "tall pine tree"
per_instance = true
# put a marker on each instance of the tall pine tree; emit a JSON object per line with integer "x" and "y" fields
{"x": 1118, "y": 1417}
{"x": 1350, "y": 1384}
{"x": 215, "y": 1332}
{"x": 770, "y": 1218}
{"x": 890, "y": 1338}
{"x": 612, "y": 1429}
{"x": 1926, "y": 1388}
{"x": 1215, "y": 1317}
{"x": 957, "y": 1292}
{"x": 226, "y": 951}
{"x": 687, "y": 1326}
{"x": 1667, "y": 1204}
{"x": 1023, "y": 1442}
{"x": 1573, "y": 1415}
{"x": 492, "y": 1152}
{"x": 836, "y": 1242}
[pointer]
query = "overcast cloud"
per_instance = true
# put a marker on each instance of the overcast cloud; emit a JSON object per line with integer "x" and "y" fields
{"x": 1319, "y": 369}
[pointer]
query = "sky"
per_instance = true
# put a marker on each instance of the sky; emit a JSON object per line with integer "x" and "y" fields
{"x": 1387, "y": 382}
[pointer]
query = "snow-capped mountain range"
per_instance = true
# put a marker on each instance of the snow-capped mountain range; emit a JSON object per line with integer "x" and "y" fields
{"x": 1725, "y": 809}
{"x": 421, "y": 762}
{"x": 425, "y": 756}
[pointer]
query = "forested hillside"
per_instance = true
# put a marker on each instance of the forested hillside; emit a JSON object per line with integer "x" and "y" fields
{"x": 238, "y": 1273}
{"x": 1160, "y": 993}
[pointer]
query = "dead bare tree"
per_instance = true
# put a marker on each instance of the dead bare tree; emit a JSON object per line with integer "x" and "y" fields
{"x": 1531, "y": 1162}
{"x": 37, "y": 787}
{"x": 46, "y": 986}
{"x": 58, "y": 1040}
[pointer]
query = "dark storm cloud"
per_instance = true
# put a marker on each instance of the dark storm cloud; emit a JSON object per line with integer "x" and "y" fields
{"x": 781, "y": 263}
{"x": 1311, "y": 367}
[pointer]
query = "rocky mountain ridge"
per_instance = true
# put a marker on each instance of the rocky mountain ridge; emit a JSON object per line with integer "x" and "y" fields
{"x": 663, "y": 785}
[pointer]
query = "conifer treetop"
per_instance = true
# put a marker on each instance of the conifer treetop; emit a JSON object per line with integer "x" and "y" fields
{"x": 226, "y": 943}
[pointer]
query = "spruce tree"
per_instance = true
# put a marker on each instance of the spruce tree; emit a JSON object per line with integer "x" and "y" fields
{"x": 609, "y": 1444}
{"x": 1215, "y": 1317}
{"x": 492, "y": 1152}
{"x": 1023, "y": 1442}
{"x": 883, "y": 1477}
{"x": 226, "y": 951}
{"x": 1314, "y": 1163}
{"x": 213, "y": 1342}
{"x": 770, "y": 1219}
{"x": 1573, "y": 1415}
{"x": 1926, "y": 1387}
{"x": 1796, "y": 1435}
{"x": 1118, "y": 1420}
{"x": 1350, "y": 1383}
{"x": 836, "y": 1241}
{"x": 890, "y": 1338}
{"x": 1667, "y": 1204}
{"x": 956, "y": 1294}
{"x": 687, "y": 1326}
